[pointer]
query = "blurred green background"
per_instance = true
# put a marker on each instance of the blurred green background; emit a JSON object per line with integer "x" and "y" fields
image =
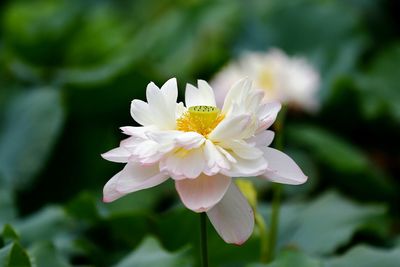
{"x": 69, "y": 69}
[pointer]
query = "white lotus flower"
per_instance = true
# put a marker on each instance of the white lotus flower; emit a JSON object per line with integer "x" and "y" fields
{"x": 201, "y": 147}
{"x": 291, "y": 81}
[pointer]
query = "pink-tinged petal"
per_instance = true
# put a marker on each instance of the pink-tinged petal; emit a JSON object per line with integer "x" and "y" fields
{"x": 231, "y": 127}
{"x": 201, "y": 96}
{"x": 182, "y": 163}
{"x": 267, "y": 114}
{"x": 140, "y": 112}
{"x": 118, "y": 154}
{"x": 132, "y": 178}
{"x": 135, "y": 177}
{"x": 282, "y": 169}
{"x": 202, "y": 193}
{"x": 263, "y": 138}
{"x": 232, "y": 217}
{"x": 110, "y": 192}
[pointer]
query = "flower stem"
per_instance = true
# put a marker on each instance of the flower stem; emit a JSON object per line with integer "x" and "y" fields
{"x": 277, "y": 192}
{"x": 263, "y": 237}
{"x": 203, "y": 239}
{"x": 273, "y": 233}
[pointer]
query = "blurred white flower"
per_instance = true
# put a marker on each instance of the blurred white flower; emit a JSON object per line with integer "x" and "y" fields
{"x": 292, "y": 81}
{"x": 201, "y": 147}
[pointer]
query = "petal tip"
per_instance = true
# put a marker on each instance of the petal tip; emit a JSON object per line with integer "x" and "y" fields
{"x": 107, "y": 200}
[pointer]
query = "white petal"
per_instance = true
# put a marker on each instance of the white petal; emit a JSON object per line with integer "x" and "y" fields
{"x": 136, "y": 131}
{"x": 263, "y": 138}
{"x": 214, "y": 158}
{"x": 118, "y": 154}
{"x": 140, "y": 112}
{"x": 232, "y": 217}
{"x": 202, "y": 193}
{"x": 162, "y": 104}
{"x": 281, "y": 168}
{"x": 267, "y": 114}
{"x": 177, "y": 139}
{"x": 201, "y": 96}
{"x": 230, "y": 127}
{"x": 136, "y": 177}
{"x": 189, "y": 140}
{"x": 246, "y": 167}
{"x": 182, "y": 163}
{"x": 242, "y": 149}
{"x": 169, "y": 89}
{"x": 236, "y": 94}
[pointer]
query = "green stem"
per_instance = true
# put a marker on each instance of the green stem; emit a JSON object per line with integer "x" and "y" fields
{"x": 263, "y": 237}
{"x": 203, "y": 239}
{"x": 277, "y": 192}
{"x": 276, "y": 203}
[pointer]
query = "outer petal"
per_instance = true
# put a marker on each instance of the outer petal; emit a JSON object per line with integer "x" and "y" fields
{"x": 136, "y": 131}
{"x": 246, "y": 167}
{"x": 170, "y": 92}
{"x": 204, "y": 192}
{"x": 267, "y": 114}
{"x": 118, "y": 154}
{"x": 132, "y": 178}
{"x": 135, "y": 177}
{"x": 232, "y": 217}
{"x": 140, "y": 112}
{"x": 110, "y": 192}
{"x": 203, "y": 96}
{"x": 162, "y": 105}
{"x": 242, "y": 149}
{"x": 262, "y": 139}
{"x": 282, "y": 169}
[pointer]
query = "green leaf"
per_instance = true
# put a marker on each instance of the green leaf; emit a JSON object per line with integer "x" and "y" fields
{"x": 328, "y": 148}
{"x": 32, "y": 123}
{"x": 49, "y": 224}
{"x": 14, "y": 255}
{"x": 364, "y": 256}
{"x": 291, "y": 258}
{"x": 38, "y": 31}
{"x": 325, "y": 224}
{"x": 9, "y": 235}
{"x": 347, "y": 164}
{"x": 150, "y": 253}
{"x": 84, "y": 207}
{"x": 378, "y": 86}
{"x": 44, "y": 254}
{"x": 7, "y": 206}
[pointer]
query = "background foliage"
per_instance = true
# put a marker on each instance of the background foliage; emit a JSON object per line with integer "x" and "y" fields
{"x": 69, "y": 69}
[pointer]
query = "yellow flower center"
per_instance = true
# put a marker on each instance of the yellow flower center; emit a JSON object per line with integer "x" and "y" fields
{"x": 200, "y": 119}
